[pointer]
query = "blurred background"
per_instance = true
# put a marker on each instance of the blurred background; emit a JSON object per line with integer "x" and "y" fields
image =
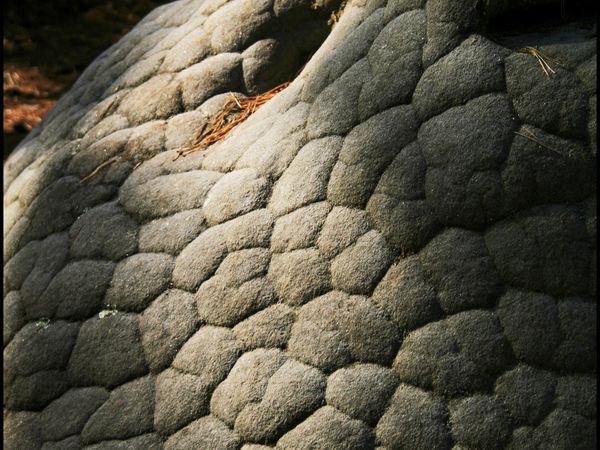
{"x": 47, "y": 44}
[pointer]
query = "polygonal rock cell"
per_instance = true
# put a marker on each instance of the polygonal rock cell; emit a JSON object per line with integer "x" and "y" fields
{"x": 577, "y": 393}
{"x": 557, "y": 104}
{"x": 565, "y": 429}
{"x": 358, "y": 268}
{"x": 560, "y": 171}
{"x": 293, "y": 392}
{"x": 527, "y": 393}
{"x": 480, "y": 338}
{"x": 238, "y": 192}
{"x": 415, "y": 419}
{"x": 406, "y": 225}
{"x": 115, "y": 124}
{"x": 543, "y": 249}
{"x": 209, "y": 354}
{"x": 167, "y": 194}
{"x": 191, "y": 49}
{"x": 245, "y": 384}
{"x": 446, "y": 83}
{"x": 148, "y": 441}
{"x": 464, "y": 148}
{"x": 165, "y": 164}
{"x": 592, "y": 124}
{"x": 268, "y": 328}
{"x": 137, "y": 280}
{"x": 33, "y": 268}
{"x": 404, "y": 177}
{"x": 342, "y": 56}
{"x": 76, "y": 292}
{"x": 443, "y": 355}
{"x": 367, "y": 151}
{"x": 21, "y": 428}
{"x": 336, "y": 328}
{"x": 165, "y": 325}
{"x": 199, "y": 260}
{"x": 341, "y": 229}
{"x": 13, "y": 314}
{"x": 18, "y": 268}
{"x": 446, "y": 27}
{"x": 459, "y": 268}
{"x": 36, "y": 262}
{"x": 181, "y": 127}
{"x": 578, "y": 324}
{"x": 299, "y": 229}
{"x": 395, "y": 59}
{"x": 406, "y": 296}
{"x": 105, "y": 232}
{"x": 255, "y": 447}
{"x": 237, "y": 289}
{"x": 416, "y": 362}
{"x": 171, "y": 234}
{"x": 128, "y": 412}
{"x": 202, "y": 256}
{"x": 361, "y": 391}
{"x": 480, "y": 422}
{"x": 206, "y": 432}
{"x": 28, "y": 177}
{"x": 39, "y": 346}
{"x": 157, "y": 98}
{"x": 522, "y": 437}
{"x": 592, "y": 282}
{"x": 108, "y": 352}
{"x": 591, "y": 220}
{"x": 68, "y": 414}
{"x": 215, "y": 75}
{"x": 305, "y": 180}
{"x": 586, "y": 72}
{"x": 272, "y": 153}
{"x": 327, "y": 429}
{"x": 70, "y": 443}
{"x": 144, "y": 142}
{"x": 180, "y": 398}
{"x": 397, "y": 207}
{"x": 299, "y": 276}
{"x": 340, "y": 95}
{"x": 455, "y": 375}
{"x": 33, "y": 392}
{"x": 531, "y": 325}
{"x": 237, "y": 24}
{"x": 55, "y": 209}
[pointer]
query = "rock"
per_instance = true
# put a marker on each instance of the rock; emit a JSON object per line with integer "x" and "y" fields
{"x": 397, "y": 250}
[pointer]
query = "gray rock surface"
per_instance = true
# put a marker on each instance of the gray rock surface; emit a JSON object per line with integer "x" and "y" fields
{"x": 398, "y": 251}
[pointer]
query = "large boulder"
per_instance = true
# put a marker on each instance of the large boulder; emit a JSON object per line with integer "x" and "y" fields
{"x": 397, "y": 251}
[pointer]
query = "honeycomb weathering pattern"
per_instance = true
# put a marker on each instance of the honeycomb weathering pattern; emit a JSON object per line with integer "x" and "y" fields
{"x": 396, "y": 252}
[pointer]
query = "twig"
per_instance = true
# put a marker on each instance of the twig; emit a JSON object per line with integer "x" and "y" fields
{"x": 235, "y": 100}
{"x": 543, "y": 60}
{"x": 98, "y": 169}
{"x": 528, "y": 134}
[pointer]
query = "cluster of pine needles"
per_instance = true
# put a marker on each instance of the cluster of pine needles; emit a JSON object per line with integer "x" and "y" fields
{"x": 235, "y": 111}
{"x": 542, "y": 59}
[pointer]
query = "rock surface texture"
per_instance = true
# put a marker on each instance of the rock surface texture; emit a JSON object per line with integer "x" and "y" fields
{"x": 398, "y": 251}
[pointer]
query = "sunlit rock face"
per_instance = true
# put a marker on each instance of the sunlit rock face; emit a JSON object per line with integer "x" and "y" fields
{"x": 398, "y": 251}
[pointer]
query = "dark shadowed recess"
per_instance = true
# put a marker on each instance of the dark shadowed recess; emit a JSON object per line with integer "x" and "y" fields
{"x": 533, "y": 23}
